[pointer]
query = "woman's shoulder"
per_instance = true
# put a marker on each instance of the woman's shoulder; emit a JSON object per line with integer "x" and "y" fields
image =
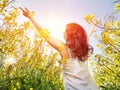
{"x": 65, "y": 52}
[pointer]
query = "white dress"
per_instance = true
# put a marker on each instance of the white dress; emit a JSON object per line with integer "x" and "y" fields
{"x": 76, "y": 75}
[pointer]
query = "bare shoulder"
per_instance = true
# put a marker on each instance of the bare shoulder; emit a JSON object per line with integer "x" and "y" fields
{"x": 59, "y": 46}
{"x": 64, "y": 52}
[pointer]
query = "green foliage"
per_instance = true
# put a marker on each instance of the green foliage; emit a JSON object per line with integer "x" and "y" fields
{"x": 107, "y": 73}
{"x": 25, "y": 64}
{"x": 105, "y": 65}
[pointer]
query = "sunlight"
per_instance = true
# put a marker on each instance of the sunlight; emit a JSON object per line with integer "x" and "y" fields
{"x": 10, "y": 60}
{"x": 56, "y": 27}
{"x": 30, "y": 34}
{"x": 53, "y": 25}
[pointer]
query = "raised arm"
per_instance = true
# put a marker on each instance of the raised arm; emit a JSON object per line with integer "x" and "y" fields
{"x": 95, "y": 23}
{"x": 90, "y": 31}
{"x": 55, "y": 43}
{"x": 26, "y": 13}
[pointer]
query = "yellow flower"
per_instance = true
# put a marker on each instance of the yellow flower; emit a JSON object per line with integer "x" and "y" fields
{"x": 89, "y": 18}
{"x": 26, "y": 25}
{"x": 117, "y": 6}
{"x": 32, "y": 14}
{"x": 64, "y": 60}
{"x": 14, "y": 89}
{"x": 92, "y": 63}
{"x": 31, "y": 88}
{"x": 62, "y": 47}
{"x": 115, "y": 23}
{"x": 45, "y": 34}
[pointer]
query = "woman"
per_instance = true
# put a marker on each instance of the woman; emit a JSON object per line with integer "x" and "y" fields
{"x": 74, "y": 52}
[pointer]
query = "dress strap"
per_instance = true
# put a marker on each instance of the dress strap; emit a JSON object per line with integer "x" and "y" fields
{"x": 69, "y": 53}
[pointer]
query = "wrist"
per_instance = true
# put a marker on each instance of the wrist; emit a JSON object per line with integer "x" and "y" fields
{"x": 30, "y": 17}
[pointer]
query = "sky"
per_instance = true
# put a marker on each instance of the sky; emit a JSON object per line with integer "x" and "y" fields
{"x": 55, "y": 14}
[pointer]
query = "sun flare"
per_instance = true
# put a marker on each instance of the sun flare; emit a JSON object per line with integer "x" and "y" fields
{"x": 10, "y": 60}
{"x": 56, "y": 27}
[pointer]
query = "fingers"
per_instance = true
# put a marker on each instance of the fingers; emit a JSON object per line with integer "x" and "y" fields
{"x": 26, "y": 9}
{"x": 95, "y": 22}
{"x": 22, "y": 9}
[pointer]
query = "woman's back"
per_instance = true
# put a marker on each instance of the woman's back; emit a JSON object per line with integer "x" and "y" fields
{"x": 76, "y": 75}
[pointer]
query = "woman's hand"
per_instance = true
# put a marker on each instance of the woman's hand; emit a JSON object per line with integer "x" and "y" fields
{"x": 96, "y": 22}
{"x": 26, "y": 12}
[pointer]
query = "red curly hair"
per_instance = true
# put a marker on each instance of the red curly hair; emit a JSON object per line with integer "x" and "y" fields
{"x": 76, "y": 40}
